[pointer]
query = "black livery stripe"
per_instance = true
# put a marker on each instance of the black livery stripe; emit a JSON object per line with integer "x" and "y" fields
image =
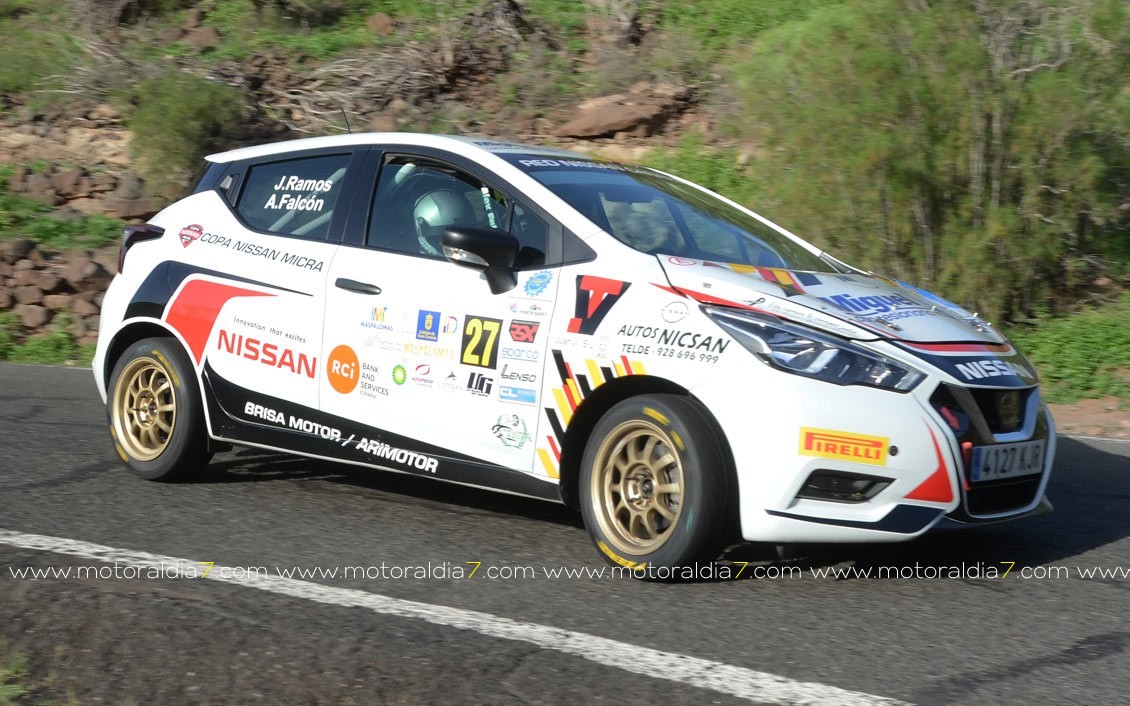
{"x": 286, "y": 425}
{"x": 154, "y": 294}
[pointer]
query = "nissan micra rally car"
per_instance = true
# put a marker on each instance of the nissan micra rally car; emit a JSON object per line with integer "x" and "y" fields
{"x": 534, "y": 321}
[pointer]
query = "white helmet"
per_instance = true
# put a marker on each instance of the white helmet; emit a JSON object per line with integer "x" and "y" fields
{"x": 435, "y": 211}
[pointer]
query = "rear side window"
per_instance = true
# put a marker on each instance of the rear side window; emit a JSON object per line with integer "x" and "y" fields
{"x": 293, "y": 197}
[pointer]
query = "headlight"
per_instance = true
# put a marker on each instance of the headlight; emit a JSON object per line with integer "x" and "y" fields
{"x": 802, "y": 351}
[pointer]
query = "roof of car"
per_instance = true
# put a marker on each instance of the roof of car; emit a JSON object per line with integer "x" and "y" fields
{"x": 456, "y": 143}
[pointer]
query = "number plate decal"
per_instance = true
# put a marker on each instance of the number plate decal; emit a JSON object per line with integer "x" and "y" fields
{"x": 1007, "y": 460}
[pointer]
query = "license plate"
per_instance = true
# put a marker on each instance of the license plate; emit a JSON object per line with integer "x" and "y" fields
{"x": 1007, "y": 460}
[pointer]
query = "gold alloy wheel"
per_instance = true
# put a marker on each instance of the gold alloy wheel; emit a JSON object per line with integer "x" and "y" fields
{"x": 637, "y": 483}
{"x": 145, "y": 409}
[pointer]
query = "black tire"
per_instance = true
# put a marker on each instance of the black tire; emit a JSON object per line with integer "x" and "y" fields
{"x": 656, "y": 483}
{"x": 155, "y": 413}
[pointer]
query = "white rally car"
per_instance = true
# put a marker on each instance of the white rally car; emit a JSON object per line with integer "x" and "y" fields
{"x": 504, "y": 316}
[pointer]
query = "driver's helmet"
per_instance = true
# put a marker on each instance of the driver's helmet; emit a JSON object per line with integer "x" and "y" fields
{"x": 435, "y": 211}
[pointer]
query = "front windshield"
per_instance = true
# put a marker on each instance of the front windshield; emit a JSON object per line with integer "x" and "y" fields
{"x": 656, "y": 214}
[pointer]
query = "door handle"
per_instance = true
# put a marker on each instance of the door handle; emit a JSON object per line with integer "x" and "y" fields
{"x": 355, "y": 286}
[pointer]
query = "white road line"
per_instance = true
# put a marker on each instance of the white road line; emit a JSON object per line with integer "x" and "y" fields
{"x": 702, "y": 673}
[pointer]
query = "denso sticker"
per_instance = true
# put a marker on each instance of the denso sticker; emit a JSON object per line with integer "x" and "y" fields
{"x": 844, "y": 446}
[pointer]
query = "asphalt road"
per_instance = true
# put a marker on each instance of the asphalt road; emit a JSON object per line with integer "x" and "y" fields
{"x": 1011, "y": 640}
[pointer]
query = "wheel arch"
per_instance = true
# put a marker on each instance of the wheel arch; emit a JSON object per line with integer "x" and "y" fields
{"x": 603, "y": 399}
{"x": 130, "y": 334}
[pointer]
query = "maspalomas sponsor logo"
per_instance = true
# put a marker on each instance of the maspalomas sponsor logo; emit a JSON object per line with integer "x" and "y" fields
{"x": 269, "y": 354}
{"x": 343, "y": 369}
{"x": 378, "y": 319}
{"x": 844, "y": 446}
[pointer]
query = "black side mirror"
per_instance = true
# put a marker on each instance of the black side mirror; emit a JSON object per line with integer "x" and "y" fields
{"x": 492, "y": 252}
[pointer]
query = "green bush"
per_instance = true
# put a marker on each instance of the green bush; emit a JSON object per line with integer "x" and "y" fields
{"x": 180, "y": 118}
{"x": 916, "y": 139}
{"x": 55, "y": 347}
{"x": 33, "y": 53}
{"x": 1083, "y": 355}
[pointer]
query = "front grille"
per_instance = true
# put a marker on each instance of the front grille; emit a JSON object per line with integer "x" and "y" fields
{"x": 1002, "y": 409}
{"x": 1000, "y": 497}
{"x": 975, "y": 415}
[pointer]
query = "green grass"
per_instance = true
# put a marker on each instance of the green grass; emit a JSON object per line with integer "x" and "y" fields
{"x": 55, "y": 347}
{"x": 13, "y": 677}
{"x": 1084, "y": 355}
{"x": 23, "y": 217}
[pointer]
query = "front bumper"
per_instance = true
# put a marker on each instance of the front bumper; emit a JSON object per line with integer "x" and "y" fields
{"x": 921, "y": 481}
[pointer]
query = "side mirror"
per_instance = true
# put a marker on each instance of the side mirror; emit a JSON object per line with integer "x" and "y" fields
{"x": 492, "y": 252}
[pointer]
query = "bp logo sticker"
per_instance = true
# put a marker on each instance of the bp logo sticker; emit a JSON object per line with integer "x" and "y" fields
{"x": 511, "y": 431}
{"x": 399, "y": 374}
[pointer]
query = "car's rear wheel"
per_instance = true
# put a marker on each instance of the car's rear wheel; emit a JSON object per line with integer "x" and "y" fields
{"x": 155, "y": 412}
{"x": 655, "y": 482}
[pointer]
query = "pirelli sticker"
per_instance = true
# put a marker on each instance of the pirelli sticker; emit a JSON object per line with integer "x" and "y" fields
{"x": 843, "y": 446}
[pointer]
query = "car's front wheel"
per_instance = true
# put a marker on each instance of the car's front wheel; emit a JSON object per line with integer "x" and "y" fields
{"x": 655, "y": 484}
{"x": 155, "y": 412}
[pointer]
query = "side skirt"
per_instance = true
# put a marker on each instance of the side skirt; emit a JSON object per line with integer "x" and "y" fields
{"x": 241, "y": 416}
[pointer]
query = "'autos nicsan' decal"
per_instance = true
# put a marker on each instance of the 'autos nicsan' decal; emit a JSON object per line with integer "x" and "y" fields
{"x": 574, "y": 388}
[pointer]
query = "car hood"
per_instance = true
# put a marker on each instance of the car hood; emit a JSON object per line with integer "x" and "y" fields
{"x": 857, "y": 306}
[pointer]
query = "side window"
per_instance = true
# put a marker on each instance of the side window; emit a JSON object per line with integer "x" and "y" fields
{"x": 533, "y": 237}
{"x": 293, "y": 197}
{"x": 416, "y": 200}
